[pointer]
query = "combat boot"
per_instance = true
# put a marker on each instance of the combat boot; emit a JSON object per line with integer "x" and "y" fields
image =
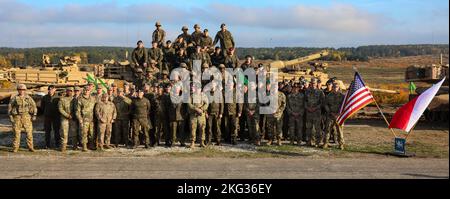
{"x": 258, "y": 143}
{"x": 279, "y": 141}
{"x": 107, "y": 147}
{"x": 63, "y": 148}
{"x": 147, "y": 146}
{"x": 100, "y": 148}
{"x": 202, "y": 144}
{"x": 84, "y": 148}
{"x": 75, "y": 147}
{"x": 31, "y": 150}
{"x": 299, "y": 142}
{"x": 325, "y": 146}
{"x": 292, "y": 141}
{"x": 234, "y": 141}
{"x": 269, "y": 142}
{"x": 192, "y": 144}
{"x": 218, "y": 143}
{"x": 15, "y": 150}
{"x": 341, "y": 147}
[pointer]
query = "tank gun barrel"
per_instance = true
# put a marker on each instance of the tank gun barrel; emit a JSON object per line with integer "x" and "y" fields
{"x": 283, "y": 64}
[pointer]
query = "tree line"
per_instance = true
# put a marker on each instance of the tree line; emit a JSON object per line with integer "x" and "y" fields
{"x": 94, "y": 55}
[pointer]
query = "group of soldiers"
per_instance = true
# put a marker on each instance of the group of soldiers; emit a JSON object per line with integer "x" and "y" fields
{"x": 147, "y": 111}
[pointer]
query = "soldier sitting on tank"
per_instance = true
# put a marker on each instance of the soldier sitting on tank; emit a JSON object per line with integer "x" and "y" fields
{"x": 139, "y": 56}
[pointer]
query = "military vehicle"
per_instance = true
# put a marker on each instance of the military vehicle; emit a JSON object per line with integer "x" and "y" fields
{"x": 424, "y": 76}
{"x": 64, "y": 74}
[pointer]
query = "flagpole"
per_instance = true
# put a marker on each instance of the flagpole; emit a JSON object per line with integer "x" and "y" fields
{"x": 411, "y": 130}
{"x": 384, "y": 117}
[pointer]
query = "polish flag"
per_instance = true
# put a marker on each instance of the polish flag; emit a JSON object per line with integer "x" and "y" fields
{"x": 410, "y": 113}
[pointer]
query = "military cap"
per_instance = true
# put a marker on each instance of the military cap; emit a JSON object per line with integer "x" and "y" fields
{"x": 183, "y": 65}
{"x": 248, "y": 56}
{"x": 51, "y": 87}
{"x": 157, "y": 23}
{"x": 90, "y": 83}
{"x": 139, "y": 70}
{"x": 139, "y": 42}
{"x": 86, "y": 87}
{"x": 99, "y": 88}
{"x": 148, "y": 69}
{"x": 313, "y": 80}
{"x": 21, "y": 87}
{"x": 222, "y": 25}
{"x": 196, "y": 26}
{"x": 119, "y": 89}
{"x": 152, "y": 61}
{"x": 113, "y": 85}
{"x": 76, "y": 88}
{"x": 221, "y": 65}
{"x": 165, "y": 72}
{"x": 168, "y": 42}
{"x": 184, "y": 28}
{"x": 205, "y": 30}
{"x": 69, "y": 89}
{"x": 205, "y": 65}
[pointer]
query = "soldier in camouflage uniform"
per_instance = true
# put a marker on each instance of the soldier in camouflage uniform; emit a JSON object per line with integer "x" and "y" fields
{"x": 122, "y": 123}
{"x": 206, "y": 41}
{"x": 198, "y": 108}
{"x": 105, "y": 111}
{"x": 139, "y": 56}
{"x": 196, "y": 35}
{"x": 159, "y": 35}
{"x": 49, "y": 105}
{"x": 75, "y": 129}
{"x": 232, "y": 114}
{"x": 225, "y": 38}
{"x": 22, "y": 111}
{"x": 231, "y": 60}
{"x": 332, "y": 106}
{"x": 248, "y": 62}
{"x": 140, "y": 110}
{"x": 169, "y": 55}
{"x": 199, "y": 55}
{"x": 275, "y": 120}
{"x": 177, "y": 114}
{"x": 161, "y": 117}
{"x": 157, "y": 55}
{"x": 251, "y": 107}
{"x": 85, "y": 115}
{"x": 217, "y": 57}
{"x": 67, "y": 108}
{"x": 296, "y": 110}
{"x": 313, "y": 102}
{"x": 186, "y": 36}
{"x": 214, "y": 116}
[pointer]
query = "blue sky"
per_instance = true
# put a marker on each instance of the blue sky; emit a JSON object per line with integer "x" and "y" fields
{"x": 325, "y": 23}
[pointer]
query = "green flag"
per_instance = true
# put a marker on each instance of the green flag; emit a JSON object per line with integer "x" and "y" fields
{"x": 412, "y": 87}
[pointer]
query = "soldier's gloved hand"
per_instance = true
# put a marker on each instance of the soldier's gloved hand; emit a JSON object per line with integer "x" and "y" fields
{"x": 33, "y": 118}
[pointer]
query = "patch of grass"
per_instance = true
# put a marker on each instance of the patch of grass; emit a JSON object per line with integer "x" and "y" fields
{"x": 215, "y": 153}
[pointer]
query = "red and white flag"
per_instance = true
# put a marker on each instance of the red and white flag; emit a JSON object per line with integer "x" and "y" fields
{"x": 358, "y": 96}
{"x": 407, "y": 115}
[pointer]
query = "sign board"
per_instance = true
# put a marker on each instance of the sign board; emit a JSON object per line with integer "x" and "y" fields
{"x": 399, "y": 145}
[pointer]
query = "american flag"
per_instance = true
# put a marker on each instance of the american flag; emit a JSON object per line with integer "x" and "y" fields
{"x": 357, "y": 97}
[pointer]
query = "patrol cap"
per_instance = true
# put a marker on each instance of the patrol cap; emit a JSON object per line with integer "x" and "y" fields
{"x": 21, "y": 87}
{"x": 313, "y": 80}
{"x": 222, "y": 25}
{"x": 184, "y": 28}
{"x": 113, "y": 85}
{"x": 76, "y": 88}
{"x": 51, "y": 87}
{"x": 148, "y": 69}
{"x": 168, "y": 42}
{"x": 69, "y": 89}
{"x": 221, "y": 65}
{"x": 205, "y": 65}
{"x": 152, "y": 61}
{"x": 139, "y": 42}
{"x": 196, "y": 26}
{"x": 165, "y": 72}
{"x": 120, "y": 90}
{"x": 139, "y": 70}
{"x": 183, "y": 65}
{"x": 99, "y": 88}
{"x": 248, "y": 56}
{"x": 205, "y": 30}
{"x": 157, "y": 23}
{"x": 86, "y": 87}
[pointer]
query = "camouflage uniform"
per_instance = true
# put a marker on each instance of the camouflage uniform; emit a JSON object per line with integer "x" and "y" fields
{"x": 49, "y": 105}
{"x": 196, "y": 37}
{"x": 313, "y": 99}
{"x": 198, "y": 120}
{"x": 275, "y": 120}
{"x": 226, "y": 40}
{"x": 159, "y": 36}
{"x": 139, "y": 56}
{"x": 122, "y": 122}
{"x": 252, "y": 112}
{"x": 231, "y": 61}
{"x": 21, "y": 109}
{"x": 199, "y": 56}
{"x": 206, "y": 41}
{"x": 215, "y": 112}
{"x": 296, "y": 110}
{"x": 140, "y": 110}
{"x": 67, "y": 108}
{"x": 106, "y": 114}
{"x": 332, "y": 106}
{"x": 217, "y": 59}
{"x": 157, "y": 55}
{"x": 162, "y": 118}
{"x": 85, "y": 115}
{"x": 169, "y": 58}
{"x": 232, "y": 111}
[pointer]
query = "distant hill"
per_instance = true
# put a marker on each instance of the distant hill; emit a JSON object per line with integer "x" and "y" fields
{"x": 32, "y": 56}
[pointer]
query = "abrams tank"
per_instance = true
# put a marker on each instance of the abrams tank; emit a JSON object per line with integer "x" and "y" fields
{"x": 424, "y": 76}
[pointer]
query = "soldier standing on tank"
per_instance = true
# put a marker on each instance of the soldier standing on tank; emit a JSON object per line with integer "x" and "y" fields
{"x": 22, "y": 111}
{"x": 217, "y": 57}
{"x": 85, "y": 115}
{"x": 155, "y": 53}
{"x": 139, "y": 56}
{"x": 105, "y": 111}
{"x": 49, "y": 105}
{"x": 159, "y": 35}
{"x": 198, "y": 108}
{"x": 122, "y": 123}
{"x": 225, "y": 38}
{"x": 296, "y": 110}
{"x": 185, "y": 35}
{"x": 275, "y": 120}
{"x": 66, "y": 109}
{"x": 214, "y": 117}
{"x": 332, "y": 106}
{"x": 140, "y": 110}
{"x": 313, "y": 102}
